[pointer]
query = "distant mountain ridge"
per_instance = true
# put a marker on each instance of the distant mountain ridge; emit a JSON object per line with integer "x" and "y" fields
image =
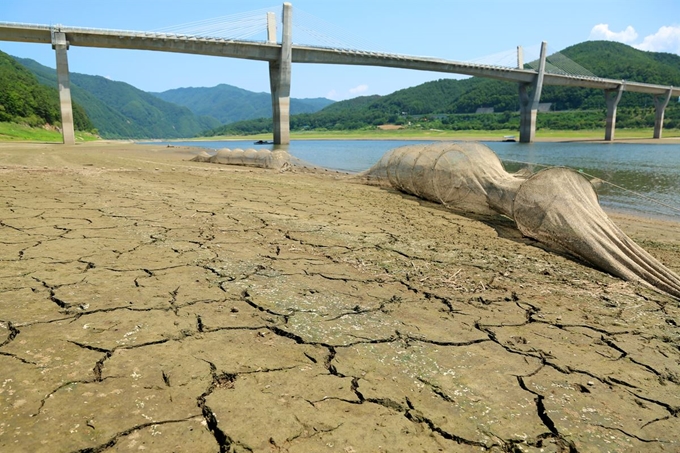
{"x": 229, "y": 104}
{"x": 119, "y": 110}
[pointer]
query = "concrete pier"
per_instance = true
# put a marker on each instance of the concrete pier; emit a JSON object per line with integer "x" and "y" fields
{"x": 528, "y": 105}
{"x": 60, "y": 46}
{"x": 660, "y": 105}
{"x": 612, "y": 97}
{"x": 280, "y": 77}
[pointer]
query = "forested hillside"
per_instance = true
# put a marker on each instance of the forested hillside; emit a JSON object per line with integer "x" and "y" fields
{"x": 24, "y": 100}
{"x": 119, "y": 110}
{"x": 230, "y": 104}
{"x": 451, "y": 104}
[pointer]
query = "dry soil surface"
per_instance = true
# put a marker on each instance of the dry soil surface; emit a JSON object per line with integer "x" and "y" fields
{"x": 152, "y": 303}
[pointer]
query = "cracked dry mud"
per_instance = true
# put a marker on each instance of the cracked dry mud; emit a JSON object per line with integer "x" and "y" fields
{"x": 152, "y": 303}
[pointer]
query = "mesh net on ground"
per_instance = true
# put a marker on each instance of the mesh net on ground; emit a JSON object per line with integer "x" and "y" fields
{"x": 556, "y": 206}
{"x": 262, "y": 158}
{"x": 277, "y": 159}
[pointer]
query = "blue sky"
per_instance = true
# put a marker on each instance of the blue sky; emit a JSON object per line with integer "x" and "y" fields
{"x": 467, "y": 30}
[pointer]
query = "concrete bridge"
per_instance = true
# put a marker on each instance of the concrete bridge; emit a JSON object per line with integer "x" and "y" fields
{"x": 281, "y": 55}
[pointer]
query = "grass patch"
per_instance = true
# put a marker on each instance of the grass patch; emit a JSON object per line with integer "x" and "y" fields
{"x": 23, "y": 133}
{"x": 598, "y": 134}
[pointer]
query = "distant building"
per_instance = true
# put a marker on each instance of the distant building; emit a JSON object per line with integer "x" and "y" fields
{"x": 484, "y": 110}
{"x": 543, "y": 107}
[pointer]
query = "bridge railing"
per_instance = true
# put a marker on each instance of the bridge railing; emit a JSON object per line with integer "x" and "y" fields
{"x": 123, "y": 33}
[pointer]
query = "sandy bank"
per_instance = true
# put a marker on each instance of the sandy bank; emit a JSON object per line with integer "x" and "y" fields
{"x": 149, "y": 301}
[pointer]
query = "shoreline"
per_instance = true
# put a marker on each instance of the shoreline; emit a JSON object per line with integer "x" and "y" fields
{"x": 185, "y": 152}
{"x": 651, "y": 141}
{"x": 643, "y": 208}
{"x": 646, "y": 141}
{"x": 623, "y": 214}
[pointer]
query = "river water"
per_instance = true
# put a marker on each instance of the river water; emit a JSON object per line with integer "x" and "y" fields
{"x": 641, "y": 179}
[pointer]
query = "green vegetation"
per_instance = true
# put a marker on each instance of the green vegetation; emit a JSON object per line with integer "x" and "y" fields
{"x": 631, "y": 117}
{"x": 427, "y": 134}
{"x": 449, "y": 104}
{"x": 23, "y": 132}
{"x": 119, "y": 110}
{"x": 25, "y": 101}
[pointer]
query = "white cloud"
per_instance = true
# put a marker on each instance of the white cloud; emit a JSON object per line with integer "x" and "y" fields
{"x": 359, "y": 89}
{"x": 602, "y": 31}
{"x": 667, "y": 39}
{"x": 332, "y": 95}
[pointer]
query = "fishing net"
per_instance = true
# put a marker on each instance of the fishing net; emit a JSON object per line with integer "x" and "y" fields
{"x": 556, "y": 206}
{"x": 262, "y": 158}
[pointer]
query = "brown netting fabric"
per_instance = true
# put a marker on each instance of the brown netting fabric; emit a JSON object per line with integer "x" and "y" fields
{"x": 557, "y": 206}
{"x": 467, "y": 176}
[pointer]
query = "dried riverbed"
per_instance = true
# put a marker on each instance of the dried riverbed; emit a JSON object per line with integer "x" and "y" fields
{"x": 152, "y": 303}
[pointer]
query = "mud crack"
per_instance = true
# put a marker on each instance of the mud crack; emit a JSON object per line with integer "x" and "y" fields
{"x": 219, "y": 380}
{"x": 116, "y": 438}
{"x": 565, "y": 445}
{"x": 13, "y": 332}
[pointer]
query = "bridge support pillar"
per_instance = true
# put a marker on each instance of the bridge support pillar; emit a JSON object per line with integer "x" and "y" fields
{"x": 612, "y": 97}
{"x": 660, "y": 105}
{"x": 279, "y": 78}
{"x": 528, "y": 105}
{"x": 60, "y": 46}
{"x": 527, "y": 115}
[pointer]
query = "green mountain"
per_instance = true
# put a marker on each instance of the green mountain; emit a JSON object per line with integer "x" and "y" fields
{"x": 119, "y": 110}
{"x": 229, "y": 104}
{"x": 451, "y": 104}
{"x": 24, "y": 100}
{"x": 603, "y": 58}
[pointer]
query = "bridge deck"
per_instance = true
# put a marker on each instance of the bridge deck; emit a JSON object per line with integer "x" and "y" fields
{"x": 252, "y": 50}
